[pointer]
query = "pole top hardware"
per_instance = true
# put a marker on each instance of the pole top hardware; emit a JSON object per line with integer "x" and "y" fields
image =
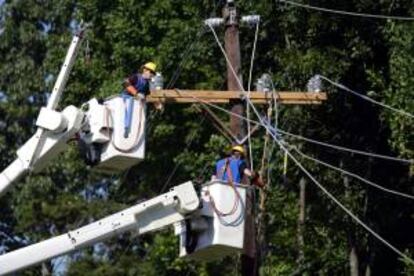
{"x": 214, "y": 22}
{"x": 251, "y": 19}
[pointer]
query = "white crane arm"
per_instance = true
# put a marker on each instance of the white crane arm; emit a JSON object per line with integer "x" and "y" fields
{"x": 151, "y": 215}
{"x": 53, "y": 142}
{"x": 54, "y": 128}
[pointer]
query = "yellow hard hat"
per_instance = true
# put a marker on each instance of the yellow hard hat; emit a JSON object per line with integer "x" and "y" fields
{"x": 150, "y": 66}
{"x": 238, "y": 148}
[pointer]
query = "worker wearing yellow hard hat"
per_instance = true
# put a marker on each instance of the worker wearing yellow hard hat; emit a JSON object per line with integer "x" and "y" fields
{"x": 233, "y": 168}
{"x": 239, "y": 149}
{"x": 150, "y": 66}
{"x": 136, "y": 85}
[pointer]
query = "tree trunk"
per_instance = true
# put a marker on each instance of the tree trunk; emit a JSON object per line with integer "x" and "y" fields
{"x": 353, "y": 262}
{"x": 301, "y": 223}
{"x": 368, "y": 270}
{"x": 353, "y": 254}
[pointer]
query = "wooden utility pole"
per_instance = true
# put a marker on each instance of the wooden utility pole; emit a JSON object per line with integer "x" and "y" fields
{"x": 237, "y": 126}
{"x": 232, "y": 47}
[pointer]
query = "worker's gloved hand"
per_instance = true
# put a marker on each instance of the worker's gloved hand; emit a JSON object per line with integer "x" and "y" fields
{"x": 257, "y": 180}
{"x": 131, "y": 90}
{"x": 140, "y": 96}
{"x": 159, "y": 106}
{"x": 253, "y": 175}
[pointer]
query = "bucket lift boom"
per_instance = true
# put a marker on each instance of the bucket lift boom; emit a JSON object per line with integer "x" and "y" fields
{"x": 204, "y": 234}
{"x": 100, "y": 130}
{"x": 54, "y": 128}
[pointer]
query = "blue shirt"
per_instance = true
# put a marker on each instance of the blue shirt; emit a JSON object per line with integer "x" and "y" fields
{"x": 141, "y": 84}
{"x": 237, "y": 166}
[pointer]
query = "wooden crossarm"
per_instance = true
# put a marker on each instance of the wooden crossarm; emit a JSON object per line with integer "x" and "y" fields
{"x": 213, "y": 96}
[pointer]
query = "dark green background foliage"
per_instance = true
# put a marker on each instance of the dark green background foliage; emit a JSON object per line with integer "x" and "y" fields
{"x": 375, "y": 56}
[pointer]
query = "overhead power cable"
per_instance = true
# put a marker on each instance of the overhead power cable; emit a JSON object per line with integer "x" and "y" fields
{"x": 249, "y": 89}
{"x": 282, "y": 132}
{"x": 337, "y": 147}
{"x": 340, "y": 148}
{"x": 171, "y": 83}
{"x": 184, "y": 57}
{"x": 189, "y": 142}
{"x": 391, "y": 191}
{"x": 343, "y": 207}
{"x": 272, "y": 133}
{"x": 300, "y": 165}
{"x": 275, "y": 95}
{"x": 341, "y": 12}
{"x": 332, "y": 197}
{"x": 343, "y": 87}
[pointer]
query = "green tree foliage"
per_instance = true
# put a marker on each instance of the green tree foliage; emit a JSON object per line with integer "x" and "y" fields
{"x": 401, "y": 80}
{"x": 294, "y": 44}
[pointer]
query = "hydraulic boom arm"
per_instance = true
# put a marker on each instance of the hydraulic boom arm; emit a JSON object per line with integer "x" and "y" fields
{"x": 151, "y": 215}
{"x": 54, "y": 128}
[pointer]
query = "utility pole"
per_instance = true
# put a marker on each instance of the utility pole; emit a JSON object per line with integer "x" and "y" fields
{"x": 231, "y": 19}
{"x": 232, "y": 47}
{"x": 237, "y": 126}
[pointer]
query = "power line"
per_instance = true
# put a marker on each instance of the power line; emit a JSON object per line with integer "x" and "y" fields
{"x": 352, "y": 215}
{"x": 303, "y": 169}
{"x": 367, "y": 98}
{"x": 275, "y": 102}
{"x": 184, "y": 57}
{"x": 189, "y": 142}
{"x": 227, "y": 59}
{"x": 341, "y": 12}
{"x": 352, "y": 175}
{"x": 249, "y": 88}
{"x": 365, "y": 153}
{"x": 272, "y": 133}
{"x": 171, "y": 83}
{"x": 360, "y": 152}
{"x": 334, "y": 199}
{"x": 248, "y": 120}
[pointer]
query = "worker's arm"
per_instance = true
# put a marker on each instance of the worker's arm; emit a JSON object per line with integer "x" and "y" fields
{"x": 247, "y": 172}
{"x": 129, "y": 85}
{"x": 254, "y": 177}
{"x": 244, "y": 170}
{"x": 136, "y": 85}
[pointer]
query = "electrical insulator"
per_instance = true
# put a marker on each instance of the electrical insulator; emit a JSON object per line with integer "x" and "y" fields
{"x": 157, "y": 82}
{"x": 251, "y": 19}
{"x": 214, "y": 22}
{"x": 264, "y": 83}
{"x": 315, "y": 84}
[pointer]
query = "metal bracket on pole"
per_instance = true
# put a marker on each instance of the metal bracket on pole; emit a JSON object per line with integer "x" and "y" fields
{"x": 214, "y": 22}
{"x": 251, "y": 19}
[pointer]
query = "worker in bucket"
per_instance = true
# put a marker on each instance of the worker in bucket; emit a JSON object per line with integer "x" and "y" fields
{"x": 233, "y": 168}
{"x": 136, "y": 85}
